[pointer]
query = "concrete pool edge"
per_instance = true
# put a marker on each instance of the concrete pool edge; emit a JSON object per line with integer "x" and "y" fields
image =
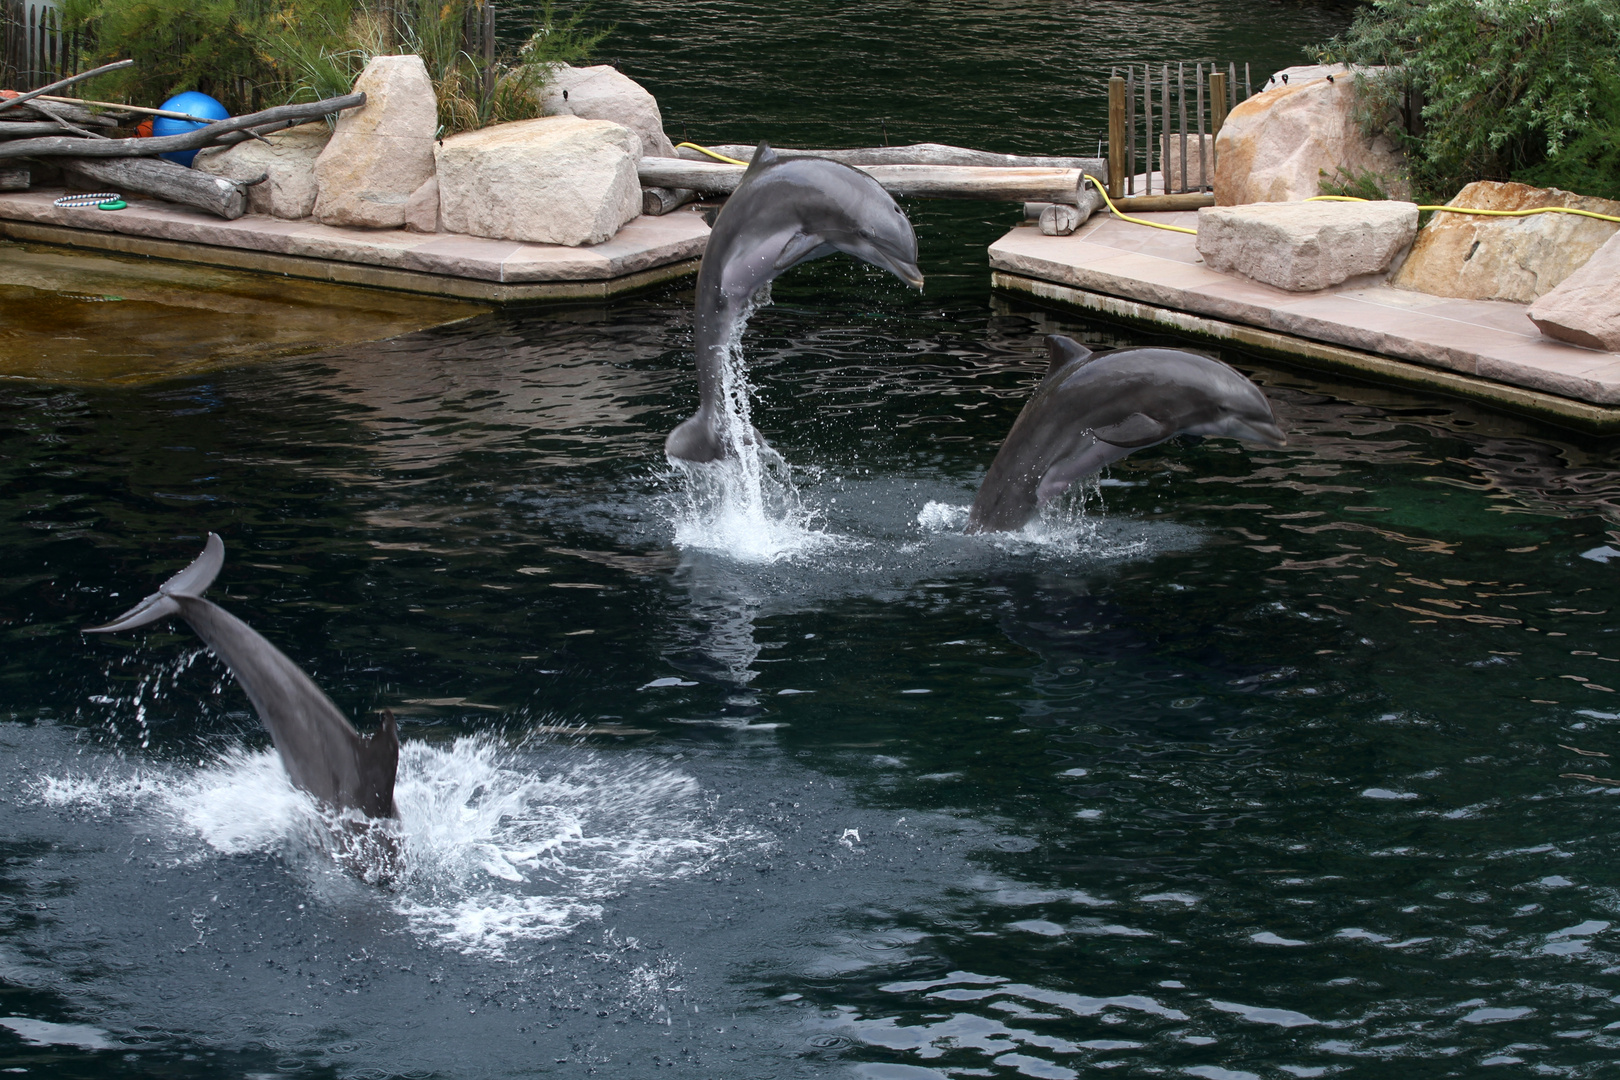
{"x": 1567, "y": 412}
{"x": 647, "y": 252}
{"x": 1482, "y": 350}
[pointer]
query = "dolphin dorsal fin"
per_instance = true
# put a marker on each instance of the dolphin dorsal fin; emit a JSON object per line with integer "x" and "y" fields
{"x": 1065, "y": 351}
{"x": 763, "y": 156}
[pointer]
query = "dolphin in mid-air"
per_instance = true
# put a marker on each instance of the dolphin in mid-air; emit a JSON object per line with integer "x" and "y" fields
{"x": 321, "y": 751}
{"x": 1091, "y": 411}
{"x": 784, "y": 212}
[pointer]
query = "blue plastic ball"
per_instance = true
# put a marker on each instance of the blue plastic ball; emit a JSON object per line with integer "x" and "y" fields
{"x": 191, "y": 103}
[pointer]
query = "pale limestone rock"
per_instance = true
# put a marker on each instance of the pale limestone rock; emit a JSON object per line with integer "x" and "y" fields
{"x": 1170, "y": 162}
{"x": 289, "y": 159}
{"x": 555, "y": 180}
{"x": 382, "y": 152}
{"x": 1492, "y": 258}
{"x": 1584, "y": 308}
{"x": 1275, "y": 146}
{"x": 603, "y": 93}
{"x": 422, "y": 208}
{"x": 1304, "y": 246}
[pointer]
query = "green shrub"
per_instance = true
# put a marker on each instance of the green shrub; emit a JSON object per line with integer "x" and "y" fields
{"x": 1508, "y": 87}
{"x": 251, "y": 55}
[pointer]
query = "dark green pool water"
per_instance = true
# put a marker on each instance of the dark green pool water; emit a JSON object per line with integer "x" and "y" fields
{"x": 1256, "y": 767}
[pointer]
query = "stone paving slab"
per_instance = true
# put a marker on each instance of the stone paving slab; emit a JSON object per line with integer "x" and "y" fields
{"x": 643, "y": 244}
{"x": 1482, "y": 339}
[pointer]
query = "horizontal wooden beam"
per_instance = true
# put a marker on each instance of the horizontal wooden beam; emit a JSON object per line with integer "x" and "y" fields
{"x": 926, "y": 181}
{"x": 915, "y": 154}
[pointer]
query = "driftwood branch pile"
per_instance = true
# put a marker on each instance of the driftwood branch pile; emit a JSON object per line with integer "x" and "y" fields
{"x": 81, "y": 140}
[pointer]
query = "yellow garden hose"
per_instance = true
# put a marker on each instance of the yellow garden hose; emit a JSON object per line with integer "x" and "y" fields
{"x": 711, "y": 153}
{"x": 1134, "y": 220}
{"x": 1482, "y": 213}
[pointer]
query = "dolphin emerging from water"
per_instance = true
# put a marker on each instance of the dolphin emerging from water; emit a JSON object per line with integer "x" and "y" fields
{"x": 1091, "y": 411}
{"x": 321, "y": 751}
{"x": 782, "y": 214}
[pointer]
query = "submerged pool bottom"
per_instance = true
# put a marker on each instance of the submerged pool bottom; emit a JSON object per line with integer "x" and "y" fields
{"x": 1248, "y": 763}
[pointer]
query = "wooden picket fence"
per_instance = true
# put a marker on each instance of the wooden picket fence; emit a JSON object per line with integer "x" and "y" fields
{"x": 1176, "y": 153}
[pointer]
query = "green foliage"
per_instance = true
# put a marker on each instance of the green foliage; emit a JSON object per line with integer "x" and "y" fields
{"x": 206, "y": 45}
{"x": 323, "y": 60}
{"x": 250, "y": 55}
{"x": 1365, "y": 184}
{"x": 1508, "y": 87}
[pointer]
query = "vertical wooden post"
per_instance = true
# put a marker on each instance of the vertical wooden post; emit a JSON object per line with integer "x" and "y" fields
{"x": 1164, "y": 128}
{"x": 1147, "y": 114}
{"x": 1130, "y": 128}
{"x": 1217, "y": 101}
{"x": 489, "y": 49}
{"x": 1116, "y": 137}
{"x": 1203, "y": 158}
{"x": 1181, "y": 103}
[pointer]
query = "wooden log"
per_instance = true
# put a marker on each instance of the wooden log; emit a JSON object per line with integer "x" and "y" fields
{"x": 15, "y": 179}
{"x": 927, "y": 181}
{"x": 1116, "y": 137}
{"x": 29, "y": 129}
{"x": 658, "y": 201}
{"x": 1148, "y": 204}
{"x": 164, "y": 179}
{"x": 916, "y": 154}
{"x": 64, "y": 146}
{"x": 49, "y": 109}
{"x": 12, "y": 103}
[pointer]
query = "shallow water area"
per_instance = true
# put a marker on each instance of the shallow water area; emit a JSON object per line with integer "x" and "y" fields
{"x": 80, "y": 317}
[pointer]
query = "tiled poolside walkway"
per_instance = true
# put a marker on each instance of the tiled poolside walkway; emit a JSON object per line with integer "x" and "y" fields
{"x": 645, "y": 251}
{"x": 1478, "y": 348}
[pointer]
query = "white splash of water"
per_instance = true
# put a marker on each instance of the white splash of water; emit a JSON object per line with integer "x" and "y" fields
{"x": 494, "y": 845}
{"x": 1064, "y": 526}
{"x": 745, "y": 504}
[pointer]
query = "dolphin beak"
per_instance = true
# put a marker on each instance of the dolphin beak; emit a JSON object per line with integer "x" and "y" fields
{"x": 904, "y": 269}
{"x": 1270, "y": 434}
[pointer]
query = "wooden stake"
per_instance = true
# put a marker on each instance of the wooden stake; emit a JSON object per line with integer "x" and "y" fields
{"x": 1116, "y": 137}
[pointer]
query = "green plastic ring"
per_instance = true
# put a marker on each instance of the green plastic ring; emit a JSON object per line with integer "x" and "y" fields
{"x": 115, "y": 204}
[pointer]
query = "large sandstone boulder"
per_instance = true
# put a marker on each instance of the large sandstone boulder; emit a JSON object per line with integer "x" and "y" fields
{"x": 1516, "y": 258}
{"x": 382, "y": 152}
{"x": 555, "y": 180}
{"x": 1304, "y": 246}
{"x": 1275, "y": 146}
{"x": 289, "y": 159}
{"x": 1584, "y": 308}
{"x": 603, "y": 93}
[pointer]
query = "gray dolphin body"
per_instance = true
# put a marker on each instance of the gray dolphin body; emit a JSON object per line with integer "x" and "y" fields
{"x": 782, "y": 214}
{"x": 1090, "y": 411}
{"x": 321, "y": 751}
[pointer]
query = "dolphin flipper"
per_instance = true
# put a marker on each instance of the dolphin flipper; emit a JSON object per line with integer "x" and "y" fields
{"x": 1089, "y": 458}
{"x": 1135, "y": 431}
{"x": 699, "y": 439}
{"x": 321, "y": 751}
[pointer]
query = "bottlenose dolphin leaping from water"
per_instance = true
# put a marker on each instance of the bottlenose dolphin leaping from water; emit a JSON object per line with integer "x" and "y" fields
{"x": 1091, "y": 411}
{"x": 321, "y": 751}
{"x": 782, "y": 214}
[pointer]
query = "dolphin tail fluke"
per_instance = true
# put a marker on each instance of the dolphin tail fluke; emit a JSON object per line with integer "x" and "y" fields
{"x": 193, "y": 581}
